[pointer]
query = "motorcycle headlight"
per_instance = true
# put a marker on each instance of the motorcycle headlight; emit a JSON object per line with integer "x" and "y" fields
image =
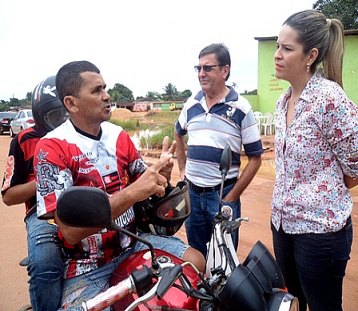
{"x": 262, "y": 264}
{"x": 242, "y": 289}
{"x": 282, "y": 301}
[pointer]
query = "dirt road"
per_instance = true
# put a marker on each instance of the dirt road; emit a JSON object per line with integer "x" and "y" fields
{"x": 256, "y": 205}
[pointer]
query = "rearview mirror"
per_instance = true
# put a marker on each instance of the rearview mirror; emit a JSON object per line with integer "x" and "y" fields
{"x": 225, "y": 161}
{"x": 81, "y": 206}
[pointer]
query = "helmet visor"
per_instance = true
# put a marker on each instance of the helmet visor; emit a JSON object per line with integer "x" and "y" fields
{"x": 177, "y": 207}
{"x": 56, "y": 117}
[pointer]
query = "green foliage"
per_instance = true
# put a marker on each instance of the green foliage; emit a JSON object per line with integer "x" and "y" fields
{"x": 4, "y": 106}
{"x": 129, "y": 125}
{"x": 163, "y": 117}
{"x": 171, "y": 92}
{"x": 155, "y": 141}
{"x": 14, "y": 102}
{"x": 153, "y": 96}
{"x": 253, "y": 92}
{"x": 29, "y": 96}
{"x": 160, "y": 122}
{"x": 120, "y": 93}
{"x": 185, "y": 94}
{"x": 344, "y": 10}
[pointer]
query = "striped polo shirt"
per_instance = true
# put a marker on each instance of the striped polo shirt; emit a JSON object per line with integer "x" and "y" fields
{"x": 230, "y": 121}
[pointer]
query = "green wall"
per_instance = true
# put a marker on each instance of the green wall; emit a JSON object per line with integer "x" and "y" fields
{"x": 350, "y": 67}
{"x": 270, "y": 88}
{"x": 253, "y": 100}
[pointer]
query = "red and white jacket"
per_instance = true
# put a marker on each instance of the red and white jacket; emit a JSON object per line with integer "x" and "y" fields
{"x": 68, "y": 157}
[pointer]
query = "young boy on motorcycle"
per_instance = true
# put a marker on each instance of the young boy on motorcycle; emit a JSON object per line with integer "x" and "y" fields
{"x": 45, "y": 265}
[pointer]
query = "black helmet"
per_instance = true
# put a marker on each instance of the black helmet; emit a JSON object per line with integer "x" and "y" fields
{"x": 164, "y": 215}
{"x": 47, "y": 109}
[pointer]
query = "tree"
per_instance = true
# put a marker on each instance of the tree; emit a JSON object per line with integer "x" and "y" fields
{"x": 121, "y": 93}
{"x": 185, "y": 94}
{"x": 14, "y": 102}
{"x": 29, "y": 96}
{"x": 171, "y": 92}
{"x": 344, "y": 10}
{"x": 4, "y": 106}
{"x": 151, "y": 95}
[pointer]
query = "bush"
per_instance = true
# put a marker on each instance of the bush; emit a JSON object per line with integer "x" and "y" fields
{"x": 130, "y": 125}
{"x": 155, "y": 141}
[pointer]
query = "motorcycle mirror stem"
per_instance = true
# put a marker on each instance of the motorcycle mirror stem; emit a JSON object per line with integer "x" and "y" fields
{"x": 155, "y": 264}
{"x": 83, "y": 206}
{"x": 225, "y": 164}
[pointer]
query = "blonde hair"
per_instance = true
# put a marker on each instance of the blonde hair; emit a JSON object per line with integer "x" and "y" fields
{"x": 326, "y": 35}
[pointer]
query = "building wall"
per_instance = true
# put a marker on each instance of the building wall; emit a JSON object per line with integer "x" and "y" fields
{"x": 254, "y": 101}
{"x": 270, "y": 88}
{"x": 350, "y": 67}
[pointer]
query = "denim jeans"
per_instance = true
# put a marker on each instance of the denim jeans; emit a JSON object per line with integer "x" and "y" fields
{"x": 90, "y": 284}
{"x": 313, "y": 265}
{"x": 204, "y": 207}
{"x": 45, "y": 266}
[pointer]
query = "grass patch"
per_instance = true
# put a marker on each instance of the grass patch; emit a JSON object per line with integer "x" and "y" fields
{"x": 162, "y": 117}
{"x": 160, "y": 121}
{"x": 128, "y": 125}
{"x": 155, "y": 141}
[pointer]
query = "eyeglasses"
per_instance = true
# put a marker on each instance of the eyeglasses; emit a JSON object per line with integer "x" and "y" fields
{"x": 206, "y": 68}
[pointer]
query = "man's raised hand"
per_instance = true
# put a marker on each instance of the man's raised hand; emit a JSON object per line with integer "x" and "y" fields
{"x": 166, "y": 169}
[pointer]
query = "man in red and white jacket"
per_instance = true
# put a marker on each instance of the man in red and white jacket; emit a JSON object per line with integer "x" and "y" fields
{"x": 89, "y": 151}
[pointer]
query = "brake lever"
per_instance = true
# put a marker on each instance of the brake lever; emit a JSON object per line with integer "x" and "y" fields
{"x": 168, "y": 278}
{"x": 234, "y": 224}
{"x": 149, "y": 295}
{"x": 153, "y": 291}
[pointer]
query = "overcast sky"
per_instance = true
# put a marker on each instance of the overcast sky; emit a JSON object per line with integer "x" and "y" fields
{"x": 142, "y": 44}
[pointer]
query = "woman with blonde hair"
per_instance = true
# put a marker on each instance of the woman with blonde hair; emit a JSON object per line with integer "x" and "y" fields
{"x": 316, "y": 152}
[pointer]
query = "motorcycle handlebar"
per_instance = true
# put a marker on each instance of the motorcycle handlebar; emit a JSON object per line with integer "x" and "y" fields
{"x": 110, "y": 296}
{"x": 129, "y": 286}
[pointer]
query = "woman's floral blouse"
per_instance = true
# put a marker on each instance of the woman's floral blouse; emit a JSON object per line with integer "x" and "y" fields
{"x": 311, "y": 156}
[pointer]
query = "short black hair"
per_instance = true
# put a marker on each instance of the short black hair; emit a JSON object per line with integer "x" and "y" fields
{"x": 69, "y": 80}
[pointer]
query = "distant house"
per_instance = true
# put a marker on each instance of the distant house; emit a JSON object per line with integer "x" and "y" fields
{"x": 141, "y": 106}
{"x": 127, "y": 105}
{"x": 270, "y": 88}
{"x": 167, "y": 105}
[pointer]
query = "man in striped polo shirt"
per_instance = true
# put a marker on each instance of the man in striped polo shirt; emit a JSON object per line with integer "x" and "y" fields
{"x": 217, "y": 115}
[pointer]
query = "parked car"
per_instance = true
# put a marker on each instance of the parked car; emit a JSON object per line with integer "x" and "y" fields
{"x": 5, "y": 118}
{"x": 22, "y": 120}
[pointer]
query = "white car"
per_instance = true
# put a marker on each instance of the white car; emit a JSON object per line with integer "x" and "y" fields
{"x": 22, "y": 120}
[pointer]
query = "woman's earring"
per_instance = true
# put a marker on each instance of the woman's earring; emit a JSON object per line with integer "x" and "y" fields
{"x": 308, "y": 67}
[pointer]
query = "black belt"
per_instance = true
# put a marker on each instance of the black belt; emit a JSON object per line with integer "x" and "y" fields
{"x": 213, "y": 188}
